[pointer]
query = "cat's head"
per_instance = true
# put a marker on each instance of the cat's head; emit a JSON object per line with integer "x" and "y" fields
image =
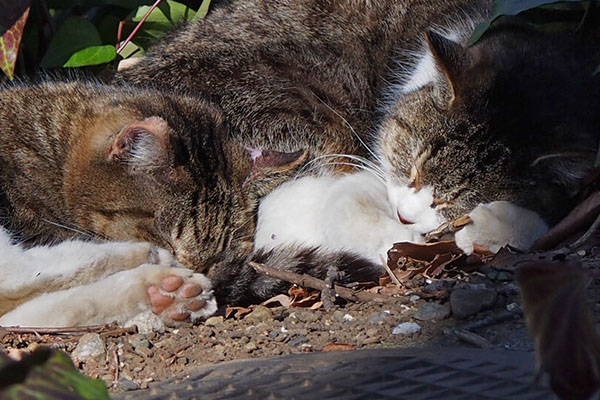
{"x": 510, "y": 118}
{"x": 162, "y": 169}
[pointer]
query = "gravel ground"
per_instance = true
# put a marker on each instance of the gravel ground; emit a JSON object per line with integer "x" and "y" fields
{"x": 444, "y": 312}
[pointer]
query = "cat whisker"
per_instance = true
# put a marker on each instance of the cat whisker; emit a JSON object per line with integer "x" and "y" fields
{"x": 361, "y": 163}
{"x": 362, "y": 142}
{"x": 88, "y": 234}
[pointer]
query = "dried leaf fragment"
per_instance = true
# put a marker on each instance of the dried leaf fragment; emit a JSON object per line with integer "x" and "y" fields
{"x": 9, "y": 45}
{"x": 338, "y": 347}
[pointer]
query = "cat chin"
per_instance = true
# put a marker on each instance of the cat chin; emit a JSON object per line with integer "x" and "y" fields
{"x": 413, "y": 207}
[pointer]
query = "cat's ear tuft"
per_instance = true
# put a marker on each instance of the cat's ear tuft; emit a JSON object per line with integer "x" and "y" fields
{"x": 449, "y": 58}
{"x": 142, "y": 144}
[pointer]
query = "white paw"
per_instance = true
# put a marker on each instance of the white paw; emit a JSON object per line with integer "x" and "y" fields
{"x": 498, "y": 224}
{"x": 179, "y": 294}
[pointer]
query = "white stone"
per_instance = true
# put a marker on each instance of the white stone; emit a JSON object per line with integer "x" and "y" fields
{"x": 406, "y": 328}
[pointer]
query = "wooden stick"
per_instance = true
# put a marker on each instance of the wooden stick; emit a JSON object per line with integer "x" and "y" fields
{"x": 327, "y": 291}
{"x": 71, "y": 330}
{"x": 318, "y": 284}
{"x": 448, "y": 228}
{"x": 390, "y": 273}
{"x": 586, "y": 235}
{"x": 472, "y": 338}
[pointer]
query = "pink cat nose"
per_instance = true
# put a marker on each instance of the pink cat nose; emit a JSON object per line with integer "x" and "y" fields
{"x": 403, "y": 220}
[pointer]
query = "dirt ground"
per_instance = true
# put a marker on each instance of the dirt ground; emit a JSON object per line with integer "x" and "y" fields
{"x": 486, "y": 315}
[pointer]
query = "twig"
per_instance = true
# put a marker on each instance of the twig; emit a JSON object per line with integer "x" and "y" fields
{"x": 389, "y": 271}
{"x": 447, "y": 228}
{"x": 327, "y": 293}
{"x": 137, "y": 27}
{"x": 71, "y": 330}
{"x": 491, "y": 320}
{"x": 318, "y": 284}
{"x": 472, "y": 338}
{"x": 116, "y": 358}
{"x": 585, "y": 237}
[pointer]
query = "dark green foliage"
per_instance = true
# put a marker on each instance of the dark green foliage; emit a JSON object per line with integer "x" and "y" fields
{"x": 46, "y": 375}
{"x": 515, "y": 7}
{"x": 79, "y": 33}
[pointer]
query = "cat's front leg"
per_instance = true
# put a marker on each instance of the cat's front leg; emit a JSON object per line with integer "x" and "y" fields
{"x": 172, "y": 293}
{"x": 28, "y": 273}
{"x": 498, "y": 224}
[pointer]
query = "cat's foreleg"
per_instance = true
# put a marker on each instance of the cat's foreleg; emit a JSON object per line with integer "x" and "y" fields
{"x": 27, "y": 273}
{"x": 498, "y": 224}
{"x": 173, "y": 293}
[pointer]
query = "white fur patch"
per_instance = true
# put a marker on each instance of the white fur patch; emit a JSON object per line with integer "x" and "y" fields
{"x": 415, "y": 69}
{"x": 499, "y": 223}
{"x": 349, "y": 213}
{"x": 414, "y": 206}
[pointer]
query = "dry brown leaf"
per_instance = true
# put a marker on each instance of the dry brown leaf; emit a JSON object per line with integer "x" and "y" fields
{"x": 281, "y": 299}
{"x": 407, "y": 260}
{"x": 297, "y": 292}
{"x": 581, "y": 216}
{"x": 562, "y": 326}
{"x": 385, "y": 280}
{"x": 448, "y": 228}
{"x": 236, "y": 312}
{"x": 423, "y": 252}
{"x": 338, "y": 347}
{"x": 307, "y": 301}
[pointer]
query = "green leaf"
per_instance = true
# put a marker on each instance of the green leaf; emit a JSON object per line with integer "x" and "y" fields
{"x": 47, "y": 375}
{"x": 202, "y": 11}
{"x": 129, "y": 4}
{"x": 131, "y": 49}
{"x": 509, "y": 7}
{"x": 93, "y": 55}
{"x": 75, "y": 34}
{"x": 168, "y": 13}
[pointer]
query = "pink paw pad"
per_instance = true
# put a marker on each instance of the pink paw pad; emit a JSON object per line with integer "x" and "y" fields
{"x": 175, "y": 298}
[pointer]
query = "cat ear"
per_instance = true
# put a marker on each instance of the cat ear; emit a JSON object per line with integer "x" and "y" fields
{"x": 142, "y": 145}
{"x": 276, "y": 160}
{"x": 270, "y": 168}
{"x": 448, "y": 57}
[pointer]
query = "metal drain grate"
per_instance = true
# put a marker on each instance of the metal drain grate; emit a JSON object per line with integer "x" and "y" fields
{"x": 412, "y": 374}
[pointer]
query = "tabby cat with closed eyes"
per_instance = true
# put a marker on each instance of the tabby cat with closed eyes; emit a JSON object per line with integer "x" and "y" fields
{"x": 454, "y": 130}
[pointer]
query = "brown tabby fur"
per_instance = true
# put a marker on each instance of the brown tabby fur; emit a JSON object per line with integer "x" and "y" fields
{"x": 295, "y": 74}
{"x": 63, "y": 174}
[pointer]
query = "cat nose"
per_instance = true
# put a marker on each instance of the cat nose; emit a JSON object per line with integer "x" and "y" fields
{"x": 403, "y": 220}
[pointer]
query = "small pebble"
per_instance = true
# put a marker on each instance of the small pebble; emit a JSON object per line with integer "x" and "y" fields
{"x": 215, "y": 321}
{"x": 250, "y": 347}
{"x": 298, "y": 340}
{"x": 139, "y": 340}
{"x": 432, "y": 311}
{"x": 512, "y": 306}
{"x": 259, "y": 314}
{"x": 379, "y": 317}
{"x": 469, "y": 301}
{"x": 126, "y": 384}
{"x": 406, "y": 328}
{"x": 372, "y": 332}
{"x": 348, "y": 318}
{"x": 147, "y": 322}
{"x": 89, "y": 346}
{"x": 414, "y": 298}
{"x": 581, "y": 253}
